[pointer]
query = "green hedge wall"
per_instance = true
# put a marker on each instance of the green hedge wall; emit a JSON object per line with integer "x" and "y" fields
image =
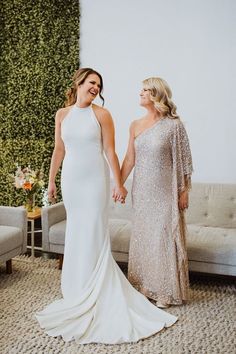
{"x": 39, "y": 41}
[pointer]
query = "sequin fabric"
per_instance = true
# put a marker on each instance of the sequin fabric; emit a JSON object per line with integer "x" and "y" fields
{"x": 158, "y": 264}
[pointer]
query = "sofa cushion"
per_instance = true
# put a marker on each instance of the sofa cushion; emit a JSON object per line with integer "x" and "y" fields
{"x": 211, "y": 244}
{"x": 57, "y": 233}
{"x": 10, "y": 238}
{"x": 212, "y": 205}
{"x": 120, "y": 232}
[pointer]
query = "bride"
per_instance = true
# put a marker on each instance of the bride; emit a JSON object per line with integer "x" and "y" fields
{"x": 98, "y": 303}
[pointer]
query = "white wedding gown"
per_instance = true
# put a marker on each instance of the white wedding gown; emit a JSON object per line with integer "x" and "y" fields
{"x": 99, "y": 305}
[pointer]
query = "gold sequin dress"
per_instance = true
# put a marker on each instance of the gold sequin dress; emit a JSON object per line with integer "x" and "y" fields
{"x": 158, "y": 264}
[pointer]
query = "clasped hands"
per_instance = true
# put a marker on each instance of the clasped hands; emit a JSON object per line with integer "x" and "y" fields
{"x": 119, "y": 194}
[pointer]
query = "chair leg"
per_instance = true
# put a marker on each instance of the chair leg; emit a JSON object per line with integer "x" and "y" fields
{"x": 9, "y": 266}
{"x": 60, "y": 256}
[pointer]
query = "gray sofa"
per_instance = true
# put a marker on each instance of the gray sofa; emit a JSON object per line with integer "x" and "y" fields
{"x": 211, "y": 224}
{"x": 13, "y": 234}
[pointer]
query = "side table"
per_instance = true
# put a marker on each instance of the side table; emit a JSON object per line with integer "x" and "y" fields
{"x": 31, "y": 217}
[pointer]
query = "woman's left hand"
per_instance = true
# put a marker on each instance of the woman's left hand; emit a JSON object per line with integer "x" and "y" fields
{"x": 119, "y": 194}
{"x": 183, "y": 201}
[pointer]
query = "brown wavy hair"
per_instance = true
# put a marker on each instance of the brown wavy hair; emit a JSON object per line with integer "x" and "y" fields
{"x": 161, "y": 96}
{"x": 78, "y": 78}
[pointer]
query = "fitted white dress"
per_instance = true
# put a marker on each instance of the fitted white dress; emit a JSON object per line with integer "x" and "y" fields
{"x": 99, "y": 305}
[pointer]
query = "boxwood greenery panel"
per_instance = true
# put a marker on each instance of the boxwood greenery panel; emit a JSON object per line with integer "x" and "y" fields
{"x": 39, "y": 41}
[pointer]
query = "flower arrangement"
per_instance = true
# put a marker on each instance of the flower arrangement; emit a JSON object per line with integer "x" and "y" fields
{"x": 31, "y": 182}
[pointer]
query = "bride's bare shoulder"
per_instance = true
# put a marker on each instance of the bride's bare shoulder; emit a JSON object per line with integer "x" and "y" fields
{"x": 99, "y": 109}
{"x": 61, "y": 113}
{"x": 102, "y": 114}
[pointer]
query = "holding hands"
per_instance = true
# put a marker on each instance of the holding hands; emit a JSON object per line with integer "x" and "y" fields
{"x": 119, "y": 194}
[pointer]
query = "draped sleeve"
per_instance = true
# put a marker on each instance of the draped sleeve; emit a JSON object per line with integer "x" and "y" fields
{"x": 182, "y": 158}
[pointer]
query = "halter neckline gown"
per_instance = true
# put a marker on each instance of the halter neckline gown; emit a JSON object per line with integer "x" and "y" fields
{"x": 99, "y": 305}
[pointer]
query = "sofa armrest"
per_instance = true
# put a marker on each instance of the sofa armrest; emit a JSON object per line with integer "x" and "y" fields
{"x": 17, "y": 217}
{"x": 50, "y": 216}
{"x": 12, "y": 216}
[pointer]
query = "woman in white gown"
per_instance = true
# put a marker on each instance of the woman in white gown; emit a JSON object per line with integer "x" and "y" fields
{"x": 99, "y": 305}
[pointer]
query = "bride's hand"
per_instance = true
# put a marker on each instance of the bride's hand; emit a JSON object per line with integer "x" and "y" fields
{"x": 119, "y": 193}
{"x": 52, "y": 192}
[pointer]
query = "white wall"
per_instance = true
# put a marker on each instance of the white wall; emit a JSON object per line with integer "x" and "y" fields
{"x": 191, "y": 44}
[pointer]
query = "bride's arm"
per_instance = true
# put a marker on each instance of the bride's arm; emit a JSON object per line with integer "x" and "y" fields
{"x": 108, "y": 139}
{"x": 57, "y": 156}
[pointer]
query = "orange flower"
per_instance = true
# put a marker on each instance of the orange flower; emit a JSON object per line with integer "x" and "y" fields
{"x": 27, "y": 186}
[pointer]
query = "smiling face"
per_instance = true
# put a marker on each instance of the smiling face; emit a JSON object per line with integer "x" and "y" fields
{"x": 157, "y": 93}
{"x": 90, "y": 88}
{"x": 145, "y": 99}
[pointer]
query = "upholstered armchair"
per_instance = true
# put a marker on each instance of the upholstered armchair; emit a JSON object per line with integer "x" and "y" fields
{"x": 53, "y": 229}
{"x": 13, "y": 234}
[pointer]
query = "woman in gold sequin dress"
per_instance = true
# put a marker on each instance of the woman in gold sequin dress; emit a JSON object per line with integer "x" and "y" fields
{"x": 159, "y": 151}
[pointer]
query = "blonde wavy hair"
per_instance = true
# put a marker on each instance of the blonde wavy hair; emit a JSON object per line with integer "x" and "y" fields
{"x": 78, "y": 78}
{"x": 160, "y": 95}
